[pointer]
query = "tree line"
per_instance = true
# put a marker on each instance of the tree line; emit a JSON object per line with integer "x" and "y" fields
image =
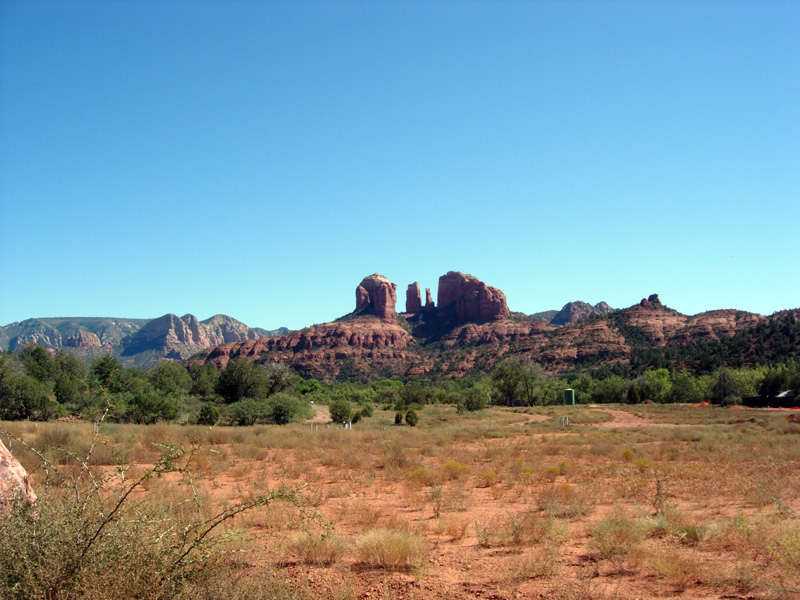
{"x": 36, "y": 385}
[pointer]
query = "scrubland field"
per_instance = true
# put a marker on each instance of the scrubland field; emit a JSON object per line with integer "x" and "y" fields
{"x": 625, "y": 502}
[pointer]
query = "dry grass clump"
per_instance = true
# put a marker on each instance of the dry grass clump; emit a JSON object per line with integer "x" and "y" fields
{"x": 564, "y": 500}
{"x": 390, "y": 549}
{"x": 454, "y": 470}
{"x": 616, "y": 538}
{"x": 536, "y": 562}
{"x": 316, "y": 549}
{"x": 678, "y": 568}
{"x": 453, "y": 527}
{"x": 671, "y": 522}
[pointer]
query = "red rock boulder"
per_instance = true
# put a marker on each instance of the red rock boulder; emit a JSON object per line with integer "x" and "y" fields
{"x": 13, "y": 479}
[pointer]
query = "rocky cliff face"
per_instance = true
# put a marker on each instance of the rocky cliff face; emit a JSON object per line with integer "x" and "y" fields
{"x": 181, "y": 337}
{"x": 429, "y": 300}
{"x": 471, "y": 330}
{"x": 137, "y": 342}
{"x": 573, "y": 312}
{"x": 413, "y": 299}
{"x": 473, "y": 300}
{"x": 377, "y": 296}
{"x": 363, "y": 344}
{"x": 83, "y": 339}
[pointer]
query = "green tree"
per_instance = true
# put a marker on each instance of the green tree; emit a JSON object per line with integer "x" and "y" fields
{"x": 149, "y": 407}
{"x": 209, "y": 414}
{"x": 248, "y": 411}
{"x": 22, "y": 396}
{"x": 341, "y": 410}
{"x": 654, "y": 385}
{"x": 204, "y": 380}
{"x": 684, "y": 389}
{"x": 725, "y": 389}
{"x": 411, "y": 417}
{"x": 241, "y": 379}
{"x": 633, "y": 396}
{"x": 38, "y": 362}
{"x": 170, "y": 378}
{"x": 284, "y": 408}
{"x": 69, "y": 390}
{"x": 104, "y": 368}
{"x": 609, "y": 390}
{"x": 68, "y": 364}
{"x": 475, "y": 399}
{"x": 280, "y": 378}
{"x": 507, "y": 382}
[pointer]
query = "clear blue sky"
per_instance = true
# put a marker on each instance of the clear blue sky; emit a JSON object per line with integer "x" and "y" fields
{"x": 258, "y": 159}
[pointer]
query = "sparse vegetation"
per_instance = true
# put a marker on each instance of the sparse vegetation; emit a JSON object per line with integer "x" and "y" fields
{"x": 667, "y": 496}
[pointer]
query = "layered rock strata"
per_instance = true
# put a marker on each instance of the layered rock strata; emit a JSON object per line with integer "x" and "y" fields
{"x": 413, "y": 299}
{"x": 473, "y": 300}
{"x": 378, "y": 296}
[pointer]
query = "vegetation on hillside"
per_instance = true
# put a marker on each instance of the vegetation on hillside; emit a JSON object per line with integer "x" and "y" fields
{"x": 38, "y": 386}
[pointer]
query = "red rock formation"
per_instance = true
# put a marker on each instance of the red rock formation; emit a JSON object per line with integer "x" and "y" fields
{"x": 377, "y": 295}
{"x": 83, "y": 339}
{"x": 413, "y": 299}
{"x": 180, "y": 337}
{"x": 429, "y": 299}
{"x": 361, "y": 338}
{"x": 474, "y": 301}
{"x": 574, "y": 312}
{"x": 13, "y": 479}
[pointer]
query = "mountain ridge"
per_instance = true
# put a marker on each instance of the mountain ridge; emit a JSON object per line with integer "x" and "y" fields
{"x": 438, "y": 341}
{"x": 168, "y": 336}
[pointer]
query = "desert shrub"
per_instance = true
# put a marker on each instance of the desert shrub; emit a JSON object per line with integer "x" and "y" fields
{"x": 87, "y": 538}
{"x": 284, "y": 408}
{"x": 390, "y": 549}
{"x": 341, "y": 410}
{"x": 564, "y": 501}
{"x": 248, "y": 411}
{"x": 398, "y": 418}
{"x": 317, "y": 549}
{"x": 616, "y": 537}
{"x": 209, "y": 414}
{"x": 453, "y": 469}
{"x": 411, "y": 417}
{"x": 475, "y": 399}
{"x": 149, "y": 407}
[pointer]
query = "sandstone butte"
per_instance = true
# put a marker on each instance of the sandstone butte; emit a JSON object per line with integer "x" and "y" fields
{"x": 469, "y": 331}
{"x": 13, "y": 479}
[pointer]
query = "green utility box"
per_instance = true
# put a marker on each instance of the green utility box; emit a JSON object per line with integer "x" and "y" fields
{"x": 569, "y": 397}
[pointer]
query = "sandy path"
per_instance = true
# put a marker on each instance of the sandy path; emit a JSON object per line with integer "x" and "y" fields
{"x": 320, "y": 414}
{"x": 625, "y": 419}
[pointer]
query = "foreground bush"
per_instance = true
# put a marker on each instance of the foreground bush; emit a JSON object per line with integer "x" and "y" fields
{"x": 87, "y": 538}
